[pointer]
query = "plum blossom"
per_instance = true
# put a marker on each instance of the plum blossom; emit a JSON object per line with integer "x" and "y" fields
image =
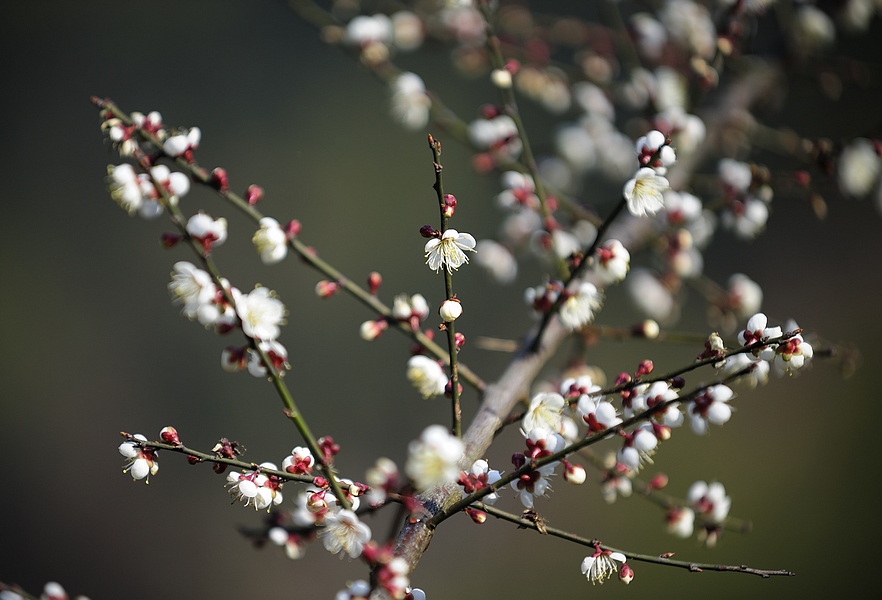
{"x": 255, "y": 487}
{"x": 271, "y": 241}
{"x": 191, "y": 287}
{"x": 299, "y": 462}
{"x": 602, "y": 565}
{"x": 275, "y": 352}
{"x": 710, "y": 406}
{"x": 497, "y": 260}
{"x": 448, "y": 251}
{"x": 261, "y": 313}
{"x": 382, "y": 479}
{"x": 141, "y": 461}
{"x": 479, "y": 477}
{"x": 638, "y": 448}
{"x": 759, "y": 369}
{"x": 344, "y": 533}
{"x": 612, "y": 261}
{"x": 294, "y": 543}
{"x": 426, "y": 375}
{"x": 681, "y": 521}
{"x": 545, "y": 411}
{"x": 792, "y": 354}
{"x": 644, "y": 193}
{"x": 410, "y": 102}
{"x": 535, "y": 484}
{"x": 598, "y": 414}
{"x": 757, "y": 330}
{"x": 580, "y": 307}
{"x": 711, "y": 503}
{"x": 207, "y": 231}
{"x": 182, "y": 143}
{"x": 434, "y": 458}
{"x": 653, "y": 151}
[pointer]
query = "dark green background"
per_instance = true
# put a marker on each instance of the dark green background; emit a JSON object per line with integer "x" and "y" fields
{"x": 91, "y": 344}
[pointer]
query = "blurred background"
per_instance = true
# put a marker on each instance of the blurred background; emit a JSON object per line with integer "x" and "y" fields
{"x": 92, "y": 345}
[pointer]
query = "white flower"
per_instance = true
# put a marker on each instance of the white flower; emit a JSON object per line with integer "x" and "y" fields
{"x": 644, "y": 192}
{"x": 209, "y": 232}
{"x": 757, "y": 330}
{"x": 410, "y": 102}
{"x": 124, "y": 187}
{"x": 653, "y": 151}
{"x": 142, "y": 461}
{"x": 365, "y": 29}
{"x": 275, "y": 352}
{"x": 426, "y": 375}
{"x": 299, "y": 462}
{"x": 792, "y": 354}
{"x": 612, "y": 261}
{"x": 447, "y": 252}
{"x": 271, "y": 241}
{"x": 191, "y": 287}
{"x": 479, "y": 477}
{"x": 261, "y": 313}
{"x": 382, "y": 478}
{"x": 710, "y": 407}
{"x": 295, "y": 545}
{"x": 745, "y": 295}
{"x": 344, "y": 534}
{"x": 601, "y": 565}
{"x": 597, "y": 413}
{"x": 681, "y": 521}
{"x": 638, "y": 448}
{"x": 180, "y": 144}
{"x": 434, "y": 458}
{"x": 545, "y": 412}
{"x": 651, "y": 296}
{"x": 255, "y": 487}
{"x": 759, "y": 369}
{"x": 690, "y": 24}
{"x": 859, "y": 168}
{"x": 709, "y": 500}
{"x": 747, "y": 218}
{"x": 579, "y": 309}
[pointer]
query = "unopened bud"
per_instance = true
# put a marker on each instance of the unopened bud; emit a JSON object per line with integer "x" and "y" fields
{"x": 478, "y": 516}
{"x": 316, "y": 502}
{"x": 448, "y": 389}
{"x": 374, "y": 281}
{"x": 459, "y": 340}
{"x": 320, "y": 482}
{"x": 450, "y": 310}
{"x": 292, "y": 229}
{"x": 429, "y": 232}
{"x": 626, "y": 573}
{"x": 448, "y": 205}
{"x": 326, "y": 289}
{"x": 169, "y": 435}
{"x": 253, "y": 194}
{"x": 193, "y": 460}
{"x": 219, "y": 179}
{"x": 644, "y": 368}
{"x": 648, "y": 329}
{"x": 371, "y": 330}
{"x": 501, "y": 78}
{"x": 575, "y": 474}
{"x": 219, "y": 468}
{"x": 659, "y": 481}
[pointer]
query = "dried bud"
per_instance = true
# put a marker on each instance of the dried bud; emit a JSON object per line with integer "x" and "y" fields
{"x": 170, "y": 240}
{"x": 169, "y": 435}
{"x": 374, "y": 281}
{"x": 219, "y": 179}
{"x": 253, "y": 194}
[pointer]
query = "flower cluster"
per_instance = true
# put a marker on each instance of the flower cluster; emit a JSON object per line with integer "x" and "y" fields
{"x": 140, "y": 192}
{"x": 787, "y": 355}
{"x": 255, "y": 487}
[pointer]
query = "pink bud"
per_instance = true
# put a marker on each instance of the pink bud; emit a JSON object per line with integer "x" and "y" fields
{"x": 644, "y": 368}
{"x": 659, "y": 481}
{"x": 219, "y": 179}
{"x": 626, "y": 573}
{"x": 427, "y": 231}
{"x": 448, "y": 205}
{"x": 478, "y": 516}
{"x": 326, "y": 289}
{"x": 459, "y": 340}
{"x": 169, "y": 435}
{"x": 253, "y": 194}
{"x": 448, "y": 389}
{"x": 170, "y": 240}
{"x": 374, "y": 281}
{"x": 320, "y": 482}
{"x": 292, "y": 229}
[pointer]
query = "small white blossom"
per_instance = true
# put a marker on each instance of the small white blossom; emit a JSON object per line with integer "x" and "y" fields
{"x": 193, "y": 288}
{"x": 638, "y": 448}
{"x": 709, "y": 500}
{"x": 758, "y": 330}
{"x": 271, "y": 241}
{"x": 545, "y": 411}
{"x": 141, "y": 461}
{"x": 426, "y": 375}
{"x": 364, "y": 29}
{"x": 410, "y": 102}
{"x": 275, "y": 352}
{"x": 681, "y": 521}
{"x": 612, "y": 262}
{"x": 581, "y": 307}
{"x": 601, "y": 565}
{"x": 497, "y": 260}
{"x": 711, "y": 406}
{"x": 644, "y": 193}
{"x": 651, "y": 296}
{"x": 450, "y": 310}
{"x": 434, "y": 458}
{"x": 859, "y": 168}
{"x": 479, "y": 477}
{"x": 344, "y": 533}
{"x": 448, "y": 252}
{"x": 261, "y": 313}
{"x": 255, "y": 487}
{"x": 207, "y": 231}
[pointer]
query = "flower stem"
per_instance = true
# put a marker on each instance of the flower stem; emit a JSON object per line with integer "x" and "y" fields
{"x": 435, "y": 145}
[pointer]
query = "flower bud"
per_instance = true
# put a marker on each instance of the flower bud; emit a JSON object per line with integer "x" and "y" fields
{"x": 644, "y": 368}
{"x": 169, "y": 435}
{"x": 374, "y": 281}
{"x": 459, "y": 340}
{"x": 219, "y": 179}
{"x": 371, "y": 330}
{"x": 626, "y": 573}
{"x": 292, "y": 229}
{"x": 170, "y": 240}
{"x": 575, "y": 474}
{"x": 253, "y": 194}
{"x": 501, "y": 78}
{"x": 478, "y": 516}
{"x": 326, "y": 289}
{"x": 450, "y": 310}
{"x": 448, "y": 205}
{"x": 648, "y": 329}
{"x": 658, "y": 481}
{"x": 427, "y": 231}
